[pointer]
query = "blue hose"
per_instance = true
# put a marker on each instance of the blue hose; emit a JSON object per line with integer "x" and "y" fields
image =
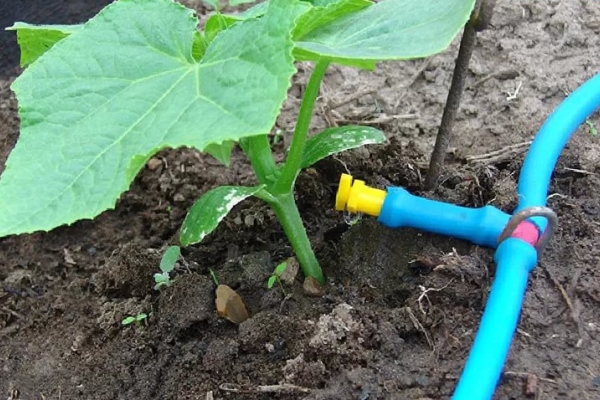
{"x": 481, "y": 226}
{"x": 515, "y": 258}
{"x": 550, "y": 141}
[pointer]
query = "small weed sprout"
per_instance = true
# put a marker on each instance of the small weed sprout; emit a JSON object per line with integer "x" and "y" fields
{"x": 137, "y": 319}
{"x": 276, "y": 276}
{"x": 591, "y": 127}
{"x": 213, "y": 276}
{"x": 167, "y": 263}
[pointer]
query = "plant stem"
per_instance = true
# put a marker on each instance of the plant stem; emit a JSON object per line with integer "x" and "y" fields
{"x": 258, "y": 151}
{"x": 480, "y": 20}
{"x": 285, "y": 183}
{"x": 288, "y": 215}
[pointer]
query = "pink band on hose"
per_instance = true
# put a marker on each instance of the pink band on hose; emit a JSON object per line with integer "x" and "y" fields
{"x": 527, "y": 231}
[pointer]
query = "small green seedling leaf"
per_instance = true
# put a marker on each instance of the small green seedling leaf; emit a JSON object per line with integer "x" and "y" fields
{"x": 168, "y": 260}
{"x": 35, "y": 40}
{"x": 335, "y": 140}
{"x": 141, "y": 317}
{"x": 591, "y": 127}
{"x": 167, "y": 263}
{"x": 213, "y": 276}
{"x": 106, "y": 98}
{"x": 161, "y": 279}
{"x": 276, "y": 275}
{"x": 389, "y": 30}
{"x": 280, "y": 269}
{"x": 137, "y": 319}
{"x": 210, "y": 209}
{"x": 271, "y": 281}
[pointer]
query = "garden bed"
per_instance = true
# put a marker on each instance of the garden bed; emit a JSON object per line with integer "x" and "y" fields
{"x": 400, "y": 308}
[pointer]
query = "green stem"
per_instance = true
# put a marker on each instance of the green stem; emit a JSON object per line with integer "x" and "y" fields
{"x": 286, "y": 181}
{"x": 288, "y": 215}
{"x": 258, "y": 151}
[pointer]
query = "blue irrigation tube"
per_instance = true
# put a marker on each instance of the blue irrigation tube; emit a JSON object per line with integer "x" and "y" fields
{"x": 515, "y": 258}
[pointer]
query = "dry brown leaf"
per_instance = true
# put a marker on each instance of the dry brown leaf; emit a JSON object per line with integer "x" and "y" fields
{"x": 230, "y": 305}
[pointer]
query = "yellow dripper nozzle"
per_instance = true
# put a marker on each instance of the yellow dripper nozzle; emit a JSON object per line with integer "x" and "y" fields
{"x": 357, "y": 197}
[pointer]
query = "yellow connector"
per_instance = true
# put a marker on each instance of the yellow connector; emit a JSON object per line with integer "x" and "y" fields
{"x": 358, "y": 197}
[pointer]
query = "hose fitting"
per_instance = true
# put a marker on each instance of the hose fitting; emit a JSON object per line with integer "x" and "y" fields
{"x": 358, "y": 198}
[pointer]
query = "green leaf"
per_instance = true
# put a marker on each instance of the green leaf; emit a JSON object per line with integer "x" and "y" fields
{"x": 161, "y": 279}
{"x": 335, "y": 140}
{"x": 389, "y": 30}
{"x": 128, "y": 320}
{"x": 218, "y": 22}
{"x": 35, "y": 40}
{"x": 234, "y": 3}
{"x": 324, "y": 13}
{"x": 141, "y": 316}
{"x": 168, "y": 260}
{"x": 280, "y": 268}
{"x": 210, "y": 209}
{"x": 199, "y": 46}
{"x": 221, "y": 151}
{"x": 103, "y": 100}
{"x": 255, "y": 11}
{"x": 271, "y": 281}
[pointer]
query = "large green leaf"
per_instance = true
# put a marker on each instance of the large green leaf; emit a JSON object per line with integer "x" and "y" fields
{"x": 103, "y": 100}
{"x": 322, "y": 14}
{"x": 35, "y": 40}
{"x": 336, "y": 140}
{"x": 389, "y": 30}
{"x": 210, "y": 209}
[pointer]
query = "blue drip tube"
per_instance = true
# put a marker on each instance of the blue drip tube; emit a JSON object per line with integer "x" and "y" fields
{"x": 515, "y": 258}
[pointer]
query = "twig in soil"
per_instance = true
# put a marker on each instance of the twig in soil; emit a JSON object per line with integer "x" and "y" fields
{"x": 283, "y": 388}
{"x": 350, "y": 99}
{"x": 502, "y": 154}
{"x": 503, "y": 75}
{"x": 480, "y": 20}
{"x": 12, "y": 312}
{"x": 579, "y": 171}
{"x": 424, "y": 292}
{"x": 419, "y": 327}
{"x": 575, "y": 311}
{"x": 382, "y": 119}
{"x": 527, "y": 374}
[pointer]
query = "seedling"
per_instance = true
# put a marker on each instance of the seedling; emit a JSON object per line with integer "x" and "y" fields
{"x": 276, "y": 276}
{"x": 137, "y": 319}
{"x": 167, "y": 263}
{"x": 99, "y": 100}
{"x": 213, "y": 276}
{"x": 591, "y": 127}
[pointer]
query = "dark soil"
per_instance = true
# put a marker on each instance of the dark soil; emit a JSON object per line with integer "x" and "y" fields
{"x": 401, "y": 307}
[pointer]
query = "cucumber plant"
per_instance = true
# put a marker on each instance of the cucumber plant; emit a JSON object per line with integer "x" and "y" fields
{"x": 98, "y": 100}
